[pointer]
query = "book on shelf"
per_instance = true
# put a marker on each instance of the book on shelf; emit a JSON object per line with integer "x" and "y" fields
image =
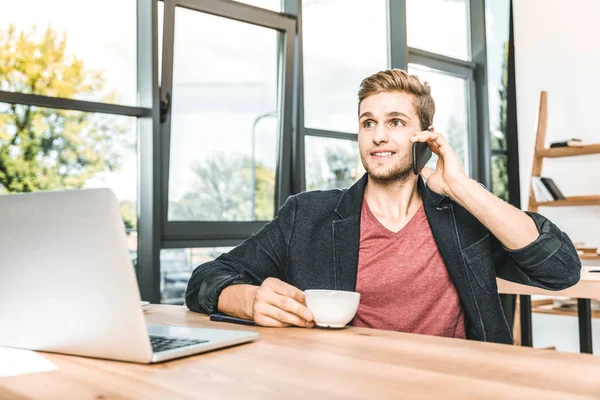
{"x": 553, "y": 189}
{"x": 540, "y": 192}
{"x": 544, "y": 190}
{"x": 567, "y": 143}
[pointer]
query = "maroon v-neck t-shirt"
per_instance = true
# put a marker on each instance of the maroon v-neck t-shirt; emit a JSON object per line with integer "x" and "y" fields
{"x": 403, "y": 280}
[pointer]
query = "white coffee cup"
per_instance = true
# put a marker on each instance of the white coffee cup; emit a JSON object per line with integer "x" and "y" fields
{"x": 332, "y": 308}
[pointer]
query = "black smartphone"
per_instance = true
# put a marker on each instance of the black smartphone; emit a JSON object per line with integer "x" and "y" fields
{"x": 421, "y": 155}
{"x": 219, "y": 317}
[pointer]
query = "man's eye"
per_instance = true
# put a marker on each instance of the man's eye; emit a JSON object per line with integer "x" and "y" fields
{"x": 397, "y": 123}
{"x": 368, "y": 124}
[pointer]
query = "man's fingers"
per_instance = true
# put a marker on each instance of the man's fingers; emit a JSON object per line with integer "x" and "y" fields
{"x": 264, "y": 320}
{"x": 426, "y": 136}
{"x": 291, "y": 305}
{"x": 437, "y": 143}
{"x": 285, "y": 303}
{"x": 288, "y": 290}
{"x": 283, "y": 316}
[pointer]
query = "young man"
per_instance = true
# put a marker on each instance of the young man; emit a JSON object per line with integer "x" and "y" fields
{"x": 423, "y": 251}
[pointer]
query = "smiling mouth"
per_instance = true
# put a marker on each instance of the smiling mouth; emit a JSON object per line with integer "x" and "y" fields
{"x": 382, "y": 154}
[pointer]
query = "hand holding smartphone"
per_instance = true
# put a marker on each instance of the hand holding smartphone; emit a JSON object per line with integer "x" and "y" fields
{"x": 421, "y": 155}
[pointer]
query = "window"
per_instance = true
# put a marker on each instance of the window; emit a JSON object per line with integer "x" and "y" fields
{"x": 176, "y": 267}
{"x": 497, "y": 36}
{"x": 224, "y": 126}
{"x": 439, "y": 26}
{"x": 331, "y": 163}
{"x": 500, "y": 176}
{"x": 161, "y": 23}
{"x": 47, "y": 149}
{"x": 71, "y": 49}
{"x": 451, "y": 116}
{"x": 344, "y": 41}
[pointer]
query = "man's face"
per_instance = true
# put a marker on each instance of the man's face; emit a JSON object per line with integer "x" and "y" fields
{"x": 386, "y": 122}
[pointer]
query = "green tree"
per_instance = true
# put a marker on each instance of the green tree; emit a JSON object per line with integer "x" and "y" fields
{"x": 45, "y": 149}
{"x": 221, "y": 191}
{"x": 499, "y": 167}
{"x": 341, "y": 169}
{"x": 341, "y": 162}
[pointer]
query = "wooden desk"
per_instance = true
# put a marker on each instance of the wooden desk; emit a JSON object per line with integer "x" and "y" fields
{"x": 584, "y": 291}
{"x": 300, "y": 363}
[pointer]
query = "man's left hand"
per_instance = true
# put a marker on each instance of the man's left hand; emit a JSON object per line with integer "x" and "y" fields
{"x": 448, "y": 170}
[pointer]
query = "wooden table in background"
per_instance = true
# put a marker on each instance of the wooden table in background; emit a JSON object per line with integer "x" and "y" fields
{"x": 584, "y": 291}
{"x": 296, "y": 363}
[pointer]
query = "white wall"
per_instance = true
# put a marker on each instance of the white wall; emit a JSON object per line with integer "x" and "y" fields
{"x": 557, "y": 49}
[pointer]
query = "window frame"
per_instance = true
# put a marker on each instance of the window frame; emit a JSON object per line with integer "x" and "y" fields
{"x": 474, "y": 72}
{"x": 175, "y": 233}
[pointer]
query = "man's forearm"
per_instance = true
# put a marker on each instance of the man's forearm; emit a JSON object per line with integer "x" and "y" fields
{"x": 513, "y": 228}
{"x": 237, "y": 300}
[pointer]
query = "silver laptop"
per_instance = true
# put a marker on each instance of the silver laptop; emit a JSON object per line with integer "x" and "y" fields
{"x": 67, "y": 284}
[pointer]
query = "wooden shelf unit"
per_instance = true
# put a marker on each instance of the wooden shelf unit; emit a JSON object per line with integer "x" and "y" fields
{"x": 573, "y": 201}
{"x": 542, "y": 152}
{"x": 569, "y": 151}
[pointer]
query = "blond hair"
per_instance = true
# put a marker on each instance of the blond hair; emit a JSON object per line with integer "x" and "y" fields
{"x": 397, "y": 80}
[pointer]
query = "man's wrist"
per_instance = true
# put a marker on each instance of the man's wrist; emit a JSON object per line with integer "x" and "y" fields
{"x": 238, "y": 300}
{"x": 456, "y": 188}
{"x": 249, "y": 298}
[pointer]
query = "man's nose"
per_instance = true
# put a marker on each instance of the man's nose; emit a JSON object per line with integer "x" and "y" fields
{"x": 381, "y": 134}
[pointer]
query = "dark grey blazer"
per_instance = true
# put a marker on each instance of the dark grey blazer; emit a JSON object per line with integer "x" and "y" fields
{"x": 313, "y": 243}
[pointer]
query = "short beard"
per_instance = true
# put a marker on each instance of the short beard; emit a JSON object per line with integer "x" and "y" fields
{"x": 400, "y": 173}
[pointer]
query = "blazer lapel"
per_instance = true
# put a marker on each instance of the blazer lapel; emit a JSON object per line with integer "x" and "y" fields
{"x": 346, "y": 236}
{"x": 443, "y": 226}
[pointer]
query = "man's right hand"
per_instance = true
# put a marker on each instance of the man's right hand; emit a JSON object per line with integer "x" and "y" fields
{"x": 279, "y": 304}
{"x": 274, "y": 303}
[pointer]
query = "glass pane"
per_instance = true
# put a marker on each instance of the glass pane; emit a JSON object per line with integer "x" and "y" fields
{"x": 161, "y": 21}
{"x": 500, "y": 177}
{"x": 439, "y": 26}
{"x": 339, "y": 52}
{"x": 331, "y": 163}
{"x": 451, "y": 116}
{"x": 71, "y": 49}
{"x": 496, "y": 28}
{"x": 224, "y": 129}
{"x": 273, "y": 5}
{"x": 176, "y": 266}
{"x": 45, "y": 149}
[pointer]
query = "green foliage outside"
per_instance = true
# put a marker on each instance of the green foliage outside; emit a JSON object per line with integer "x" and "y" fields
{"x": 46, "y": 149}
{"x": 221, "y": 191}
{"x": 499, "y": 170}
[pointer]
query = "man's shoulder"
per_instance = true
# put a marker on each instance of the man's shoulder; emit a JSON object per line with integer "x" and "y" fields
{"x": 317, "y": 204}
{"x": 322, "y": 199}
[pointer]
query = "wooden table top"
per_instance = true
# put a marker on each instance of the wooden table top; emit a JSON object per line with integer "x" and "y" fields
{"x": 584, "y": 289}
{"x": 296, "y": 363}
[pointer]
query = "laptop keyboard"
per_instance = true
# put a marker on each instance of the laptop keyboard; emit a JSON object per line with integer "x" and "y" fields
{"x": 162, "y": 343}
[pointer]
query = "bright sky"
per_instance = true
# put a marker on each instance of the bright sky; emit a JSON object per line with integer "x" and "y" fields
{"x": 225, "y": 71}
